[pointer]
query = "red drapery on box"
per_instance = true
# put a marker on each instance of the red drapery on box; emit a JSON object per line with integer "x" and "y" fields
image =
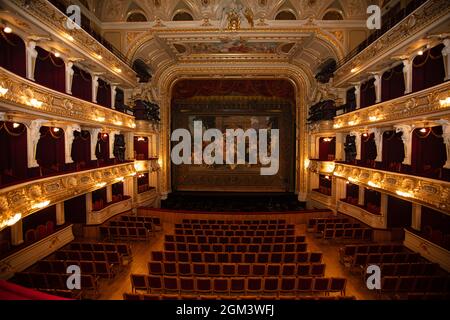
{"x": 400, "y": 213}
{"x": 327, "y": 149}
{"x": 141, "y": 148}
{"x": 393, "y": 150}
{"x": 102, "y": 147}
{"x": 39, "y": 225}
{"x": 81, "y": 147}
{"x": 50, "y": 71}
{"x": 13, "y": 56}
{"x": 99, "y": 199}
{"x": 82, "y": 84}
{"x": 368, "y": 93}
{"x": 368, "y": 148}
{"x": 10, "y": 291}
{"x": 50, "y": 148}
{"x": 428, "y": 69}
{"x": 13, "y": 155}
{"x": 393, "y": 83}
{"x": 75, "y": 210}
{"x": 104, "y": 94}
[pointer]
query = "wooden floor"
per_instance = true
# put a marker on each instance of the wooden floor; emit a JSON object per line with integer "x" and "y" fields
{"x": 114, "y": 289}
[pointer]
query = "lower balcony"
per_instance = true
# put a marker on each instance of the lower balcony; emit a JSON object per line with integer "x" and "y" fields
{"x": 373, "y": 220}
{"x": 110, "y": 210}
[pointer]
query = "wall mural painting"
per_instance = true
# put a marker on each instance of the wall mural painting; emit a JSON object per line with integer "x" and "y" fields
{"x": 235, "y": 46}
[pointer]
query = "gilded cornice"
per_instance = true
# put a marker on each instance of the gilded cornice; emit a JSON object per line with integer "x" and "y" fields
{"x": 24, "y": 198}
{"x": 425, "y": 103}
{"x": 415, "y": 23}
{"x": 55, "y": 104}
{"x": 321, "y": 167}
{"x": 426, "y": 191}
{"x": 55, "y": 21}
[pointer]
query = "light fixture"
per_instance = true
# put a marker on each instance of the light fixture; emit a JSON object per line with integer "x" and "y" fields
{"x": 69, "y": 37}
{"x": 40, "y": 205}
{"x": 141, "y": 139}
{"x": 100, "y": 185}
{"x": 12, "y": 221}
{"x": 420, "y": 52}
{"x": 7, "y": 29}
{"x": 327, "y": 177}
{"x": 35, "y": 103}
{"x": 327, "y": 139}
{"x": 373, "y": 184}
{"x": 337, "y": 125}
{"x": 120, "y": 179}
{"x": 365, "y": 135}
{"x": 445, "y": 103}
{"x": 133, "y": 125}
{"x": 57, "y": 54}
{"x": 16, "y": 125}
{"x": 3, "y": 91}
{"x": 408, "y": 194}
{"x": 354, "y": 70}
{"x": 105, "y": 135}
{"x": 133, "y": 174}
{"x": 118, "y": 123}
{"x": 99, "y": 57}
{"x": 56, "y": 130}
{"x": 351, "y": 179}
{"x": 118, "y": 70}
{"x": 347, "y": 182}
{"x": 307, "y": 163}
{"x": 423, "y": 130}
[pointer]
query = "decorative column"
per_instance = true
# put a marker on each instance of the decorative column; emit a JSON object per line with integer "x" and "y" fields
{"x": 378, "y": 87}
{"x": 446, "y": 55}
{"x": 17, "y": 233}
{"x": 314, "y": 180}
{"x": 407, "y": 73}
{"x": 378, "y": 142}
{"x": 95, "y": 79}
{"x": 314, "y": 147}
{"x": 341, "y": 189}
{"x": 111, "y": 143}
{"x": 357, "y": 136}
{"x": 407, "y": 140}
{"x": 68, "y": 140}
{"x": 109, "y": 193}
{"x": 384, "y": 208}
{"x": 358, "y": 95}
{"x": 361, "y": 196}
{"x": 88, "y": 207}
{"x": 416, "y": 221}
{"x": 31, "y": 54}
{"x": 60, "y": 220}
{"x": 33, "y": 137}
{"x": 113, "y": 95}
{"x": 129, "y": 145}
{"x": 446, "y": 137}
{"x": 94, "y": 138}
{"x": 340, "y": 140}
{"x": 69, "y": 76}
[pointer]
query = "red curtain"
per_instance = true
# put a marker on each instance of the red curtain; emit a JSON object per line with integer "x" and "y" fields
{"x": 428, "y": 69}
{"x": 99, "y": 200}
{"x": 352, "y": 191}
{"x": 368, "y": 93}
{"x": 104, "y": 94}
{"x": 327, "y": 149}
{"x": 143, "y": 183}
{"x": 271, "y": 88}
{"x": 393, "y": 83}
{"x": 428, "y": 152}
{"x": 10, "y": 291}
{"x": 368, "y": 149}
{"x": 141, "y": 148}
{"x": 102, "y": 147}
{"x": 82, "y": 84}
{"x": 393, "y": 150}
{"x": 13, "y": 158}
{"x": 13, "y": 56}
{"x": 39, "y": 224}
{"x": 50, "y": 71}
{"x": 372, "y": 201}
{"x": 81, "y": 147}
{"x": 50, "y": 149}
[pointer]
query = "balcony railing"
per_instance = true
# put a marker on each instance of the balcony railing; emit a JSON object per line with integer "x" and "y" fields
{"x": 24, "y": 199}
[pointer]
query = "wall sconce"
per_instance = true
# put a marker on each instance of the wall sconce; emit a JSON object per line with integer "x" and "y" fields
{"x": 307, "y": 163}
{"x": 56, "y": 130}
{"x": 327, "y": 139}
{"x": 365, "y": 135}
{"x": 40, "y": 205}
{"x": 141, "y": 139}
{"x": 423, "y": 130}
{"x": 7, "y": 29}
{"x": 16, "y": 125}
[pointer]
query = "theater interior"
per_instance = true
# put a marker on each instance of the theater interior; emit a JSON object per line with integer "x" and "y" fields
{"x": 94, "y": 206}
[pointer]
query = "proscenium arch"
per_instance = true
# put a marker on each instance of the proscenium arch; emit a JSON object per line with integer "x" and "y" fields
{"x": 300, "y": 80}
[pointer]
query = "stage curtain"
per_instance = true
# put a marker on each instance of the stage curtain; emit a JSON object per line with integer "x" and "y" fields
{"x": 428, "y": 152}
{"x": 102, "y": 147}
{"x": 82, "y": 84}
{"x": 393, "y": 150}
{"x": 104, "y": 93}
{"x": 270, "y": 88}
{"x": 50, "y": 71}
{"x": 75, "y": 210}
{"x": 327, "y": 150}
{"x": 13, "y": 158}
{"x": 50, "y": 149}
{"x": 368, "y": 149}
{"x": 399, "y": 213}
{"x": 428, "y": 69}
{"x": 13, "y": 56}
{"x": 393, "y": 83}
{"x": 141, "y": 148}
{"x": 81, "y": 147}
{"x": 368, "y": 93}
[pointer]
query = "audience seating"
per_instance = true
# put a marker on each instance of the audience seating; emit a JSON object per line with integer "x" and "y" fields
{"x": 124, "y": 233}
{"x": 137, "y": 296}
{"x": 234, "y": 227}
{"x": 97, "y": 268}
{"x": 364, "y": 234}
{"x": 236, "y": 233}
{"x": 111, "y": 257}
{"x": 230, "y": 222}
{"x": 416, "y": 284}
{"x": 363, "y": 259}
{"x": 122, "y": 248}
{"x": 348, "y": 252}
{"x": 244, "y": 248}
{"x": 407, "y": 269}
{"x": 234, "y": 240}
{"x": 312, "y": 223}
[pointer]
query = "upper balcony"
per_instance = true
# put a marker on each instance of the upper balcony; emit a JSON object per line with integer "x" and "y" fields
{"x": 43, "y": 18}
{"x": 418, "y": 20}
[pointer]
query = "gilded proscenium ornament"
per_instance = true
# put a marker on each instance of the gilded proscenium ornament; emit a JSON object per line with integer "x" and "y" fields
{"x": 431, "y": 192}
{"x": 25, "y": 95}
{"x": 425, "y": 103}
{"x": 23, "y": 197}
{"x": 416, "y": 23}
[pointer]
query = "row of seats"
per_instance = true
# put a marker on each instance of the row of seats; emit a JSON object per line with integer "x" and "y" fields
{"x": 364, "y": 234}
{"x": 230, "y": 222}
{"x": 237, "y": 257}
{"x": 286, "y": 247}
{"x": 155, "y": 220}
{"x": 347, "y": 252}
{"x": 248, "y": 286}
{"x": 124, "y": 233}
{"x": 363, "y": 259}
{"x": 122, "y": 248}
{"x": 236, "y": 240}
{"x": 408, "y": 269}
{"x": 55, "y": 281}
{"x": 97, "y": 268}
{"x": 234, "y": 227}
{"x": 157, "y": 297}
{"x": 195, "y": 239}
{"x": 314, "y": 221}
{"x": 68, "y": 294}
{"x": 131, "y": 224}
{"x": 321, "y": 227}
{"x": 235, "y": 233}
{"x": 113, "y": 258}
{"x": 236, "y": 270}
{"x": 416, "y": 284}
